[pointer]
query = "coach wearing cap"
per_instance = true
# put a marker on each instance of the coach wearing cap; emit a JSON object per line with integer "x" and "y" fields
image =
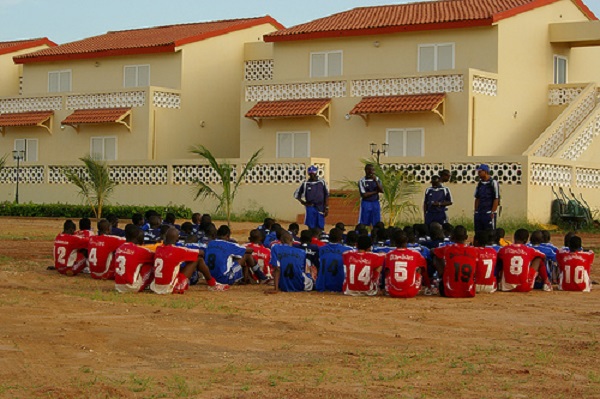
{"x": 313, "y": 194}
{"x": 487, "y": 198}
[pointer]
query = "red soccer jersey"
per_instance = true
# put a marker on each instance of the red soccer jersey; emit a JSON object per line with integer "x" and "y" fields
{"x": 262, "y": 257}
{"x": 129, "y": 259}
{"x": 517, "y": 274}
{"x": 362, "y": 272}
{"x": 85, "y": 233}
{"x": 575, "y": 269}
{"x": 101, "y": 256}
{"x": 460, "y": 263}
{"x": 484, "y": 273}
{"x": 167, "y": 260}
{"x": 67, "y": 255}
{"x": 401, "y": 277}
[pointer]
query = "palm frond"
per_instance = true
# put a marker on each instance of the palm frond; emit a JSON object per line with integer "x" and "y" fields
{"x": 252, "y": 162}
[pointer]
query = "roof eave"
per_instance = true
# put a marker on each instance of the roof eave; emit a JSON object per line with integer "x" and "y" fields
{"x": 28, "y": 44}
{"x": 167, "y": 48}
{"x": 379, "y": 31}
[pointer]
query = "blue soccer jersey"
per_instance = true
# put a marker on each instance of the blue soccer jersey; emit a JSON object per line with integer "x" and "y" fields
{"x": 291, "y": 263}
{"x": 331, "y": 271}
{"x": 221, "y": 258}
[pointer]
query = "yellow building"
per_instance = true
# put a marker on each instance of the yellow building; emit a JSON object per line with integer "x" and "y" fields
{"x": 446, "y": 84}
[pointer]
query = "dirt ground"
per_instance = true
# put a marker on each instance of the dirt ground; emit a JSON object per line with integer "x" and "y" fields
{"x": 64, "y": 337}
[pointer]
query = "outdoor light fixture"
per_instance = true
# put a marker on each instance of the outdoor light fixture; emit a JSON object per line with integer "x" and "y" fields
{"x": 375, "y": 151}
{"x": 18, "y": 155}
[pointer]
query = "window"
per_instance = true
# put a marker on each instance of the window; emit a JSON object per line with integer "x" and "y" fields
{"x": 104, "y": 148}
{"x": 59, "y": 81}
{"x": 293, "y": 145}
{"x": 136, "y": 76}
{"x": 436, "y": 57}
{"x": 30, "y": 146}
{"x": 406, "y": 142}
{"x": 325, "y": 64}
{"x": 560, "y": 70}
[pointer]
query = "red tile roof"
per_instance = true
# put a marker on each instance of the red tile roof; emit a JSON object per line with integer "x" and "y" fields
{"x": 143, "y": 41}
{"x": 17, "y": 45}
{"x": 103, "y": 115}
{"x": 397, "y": 104}
{"x": 424, "y": 15}
{"x": 288, "y": 108}
{"x": 32, "y": 118}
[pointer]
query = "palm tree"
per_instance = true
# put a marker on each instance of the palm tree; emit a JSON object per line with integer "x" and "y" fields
{"x": 399, "y": 188}
{"x": 229, "y": 184}
{"x": 94, "y": 184}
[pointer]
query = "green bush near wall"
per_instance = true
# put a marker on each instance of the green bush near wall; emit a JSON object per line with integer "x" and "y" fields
{"x": 81, "y": 211}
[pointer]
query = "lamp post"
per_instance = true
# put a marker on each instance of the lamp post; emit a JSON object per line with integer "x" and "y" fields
{"x": 18, "y": 155}
{"x": 377, "y": 152}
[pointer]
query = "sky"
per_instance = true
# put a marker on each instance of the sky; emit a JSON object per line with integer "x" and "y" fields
{"x": 64, "y": 21}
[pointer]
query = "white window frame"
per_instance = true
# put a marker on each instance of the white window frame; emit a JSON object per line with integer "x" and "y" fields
{"x": 30, "y": 156}
{"x": 137, "y": 75}
{"x": 556, "y": 58}
{"x": 326, "y": 66}
{"x": 58, "y": 73}
{"x": 307, "y": 132}
{"x": 436, "y": 47}
{"x": 104, "y": 138}
{"x": 404, "y": 131}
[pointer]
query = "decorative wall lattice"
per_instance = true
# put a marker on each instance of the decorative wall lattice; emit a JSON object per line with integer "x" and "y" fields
{"x": 403, "y": 86}
{"x": 564, "y": 130}
{"x": 14, "y": 105}
{"x": 421, "y": 171}
{"x": 188, "y": 174}
{"x": 27, "y": 174}
{"x": 582, "y": 142}
{"x": 107, "y": 100}
{"x": 295, "y": 91}
{"x": 164, "y": 99}
{"x": 587, "y": 178}
{"x": 485, "y": 86}
{"x": 280, "y": 173}
{"x": 140, "y": 174}
{"x": 564, "y": 95}
{"x": 550, "y": 175}
{"x": 56, "y": 175}
{"x": 505, "y": 173}
{"x": 258, "y": 70}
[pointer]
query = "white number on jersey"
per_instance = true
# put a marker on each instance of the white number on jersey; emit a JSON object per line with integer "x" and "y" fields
{"x": 516, "y": 265}
{"x": 120, "y": 270}
{"x": 62, "y": 252}
{"x": 400, "y": 271}
{"x": 158, "y": 266}
{"x": 363, "y": 276}
{"x": 488, "y": 263}
{"x": 92, "y": 259}
{"x": 578, "y": 276}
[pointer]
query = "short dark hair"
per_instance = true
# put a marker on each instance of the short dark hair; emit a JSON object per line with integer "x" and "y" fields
{"x": 335, "y": 235}
{"x": 574, "y": 243}
{"x": 400, "y": 238}
{"x": 459, "y": 234}
{"x": 351, "y": 238}
{"x": 131, "y": 232}
{"x": 69, "y": 225}
{"x": 103, "y": 226}
{"x": 137, "y": 218}
{"x": 85, "y": 224}
{"x": 568, "y": 238}
{"x": 187, "y": 227}
{"x": 255, "y": 236}
{"x": 306, "y": 236}
{"x": 364, "y": 243}
{"x": 522, "y": 235}
{"x": 223, "y": 231}
{"x": 482, "y": 238}
{"x": 536, "y": 237}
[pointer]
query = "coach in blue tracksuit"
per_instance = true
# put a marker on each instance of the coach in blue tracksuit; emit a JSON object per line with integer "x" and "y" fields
{"x": 437, "y": 199}
{"x": 487, "y": 198}
{"x": 369, "y": 188}
{"x": 313, "y": 194}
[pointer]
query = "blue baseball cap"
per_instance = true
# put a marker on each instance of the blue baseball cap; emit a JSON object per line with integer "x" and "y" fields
{"x": 313, "y": 169}
{"x": 483, "y": 167}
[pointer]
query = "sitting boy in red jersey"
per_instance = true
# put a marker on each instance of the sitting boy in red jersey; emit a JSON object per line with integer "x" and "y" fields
{"x": 485, "y": 278}
{"x": 101, "y": 249}
{"x": 404, "y": 269}
{"x": 362, "y": 268}
{"x": 69, "y": 251}
{"x": 260, "y": 253}
{"x": 173, "y": 267}
{"x": 457, "y": 263}
{"x": 575, "y": 266}
{"x": 133, "y": 272}
{"x": 518, "y": 265}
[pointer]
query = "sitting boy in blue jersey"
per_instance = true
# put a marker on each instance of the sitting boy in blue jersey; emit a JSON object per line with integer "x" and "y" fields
{"x": 289, "y": 264}
{"x": 229, "y": 262}
{"x": 331, "y": 269}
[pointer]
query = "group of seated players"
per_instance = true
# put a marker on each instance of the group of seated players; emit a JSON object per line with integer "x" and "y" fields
{"x": 161, "y": 256}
